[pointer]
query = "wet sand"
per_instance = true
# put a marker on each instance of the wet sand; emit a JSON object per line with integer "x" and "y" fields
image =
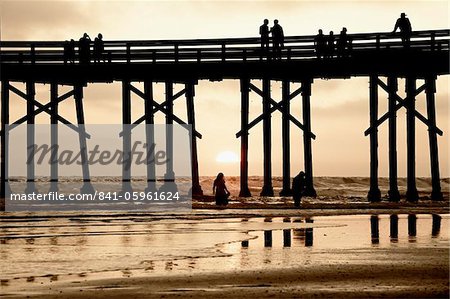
{"x": 421, "y": 274}
{"x": 201, "y": 255}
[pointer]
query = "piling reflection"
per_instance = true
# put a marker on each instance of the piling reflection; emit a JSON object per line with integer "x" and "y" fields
{"x": 374, "y": 229}
{"x": 286, "y": 238}
{"x": 267, "y": 238}
{"x": 394, "y": 228}
{"x": 412, "y": 227}
{"x": 309, "y": 236}
{"x": 436, "y": 226}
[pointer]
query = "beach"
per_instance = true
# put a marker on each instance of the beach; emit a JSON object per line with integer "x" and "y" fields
{"x": 231, "y": 253}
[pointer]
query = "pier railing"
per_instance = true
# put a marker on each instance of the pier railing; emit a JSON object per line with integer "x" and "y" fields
{"x": 214, "y": 50}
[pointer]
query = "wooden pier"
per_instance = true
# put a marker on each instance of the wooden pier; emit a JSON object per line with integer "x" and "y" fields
{"x": 379, "y": 56}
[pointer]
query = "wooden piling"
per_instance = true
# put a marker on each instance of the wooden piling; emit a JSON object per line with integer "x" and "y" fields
{"x": 54, "y": 137}
{"x": 411, "y": 192}
{"x": 169, "y": 177}
{"x": 149, "y": 135}
{"x": 78, "y": 96}
{"x": 393, "y": 192}
{"x": 31, "y": 93}
{"x": 306, "y": 100}
{"x": 267, "y": 189}
{"x": 126, "y": 138}
{"x": 190, "y": 94}
{"x": 430, "y": 90}
{"x": 245, "y": 90}
{"x": 286, "y": 143}
{"x": 374, "y": 192}
{"x": 4, "y": 187}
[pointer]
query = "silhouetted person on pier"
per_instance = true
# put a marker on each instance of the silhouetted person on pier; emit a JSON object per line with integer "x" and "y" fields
{"x": 277, "y": 39}
{"x": 320, "y": 44}
{"x": 404, "y": 25}
{"x": 69, "y": 51}
{"x": 342, "y": 43}
{"x": 264, "y": 32}
{"x": 298, "y": 187}
{"x": 98, "y": 48}
{"x": 220, "y": 190}
{"x": 330, "y": 45}
{"x": 85, "y": 49}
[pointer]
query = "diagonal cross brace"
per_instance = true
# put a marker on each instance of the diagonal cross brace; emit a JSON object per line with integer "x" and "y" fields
{"x": 402, "y": 103}
{"x": 45, "y": 108}
{"x": 275, "y": 106}
{"x": 159, "y": 107}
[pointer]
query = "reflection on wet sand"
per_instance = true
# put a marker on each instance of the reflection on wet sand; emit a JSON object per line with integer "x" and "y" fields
{"x": 305, "y": 236}
{"x": 394, "y": 228}
{"x": 286, "y": 238}
{"x": 412, "y": 226}
{"x": 122, "y": 248}
{"x": 374, "y": 229}
{"x": 436, "y": 228}
{"x": 267, "y": 238}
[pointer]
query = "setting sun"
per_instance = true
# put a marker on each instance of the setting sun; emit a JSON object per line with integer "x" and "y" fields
{"x": 227, "y": 157}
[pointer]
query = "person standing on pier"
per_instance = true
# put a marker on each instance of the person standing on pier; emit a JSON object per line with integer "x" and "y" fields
{"x": 342, "y": 43}
{"x": 85, "y": 49}
{"x": 220, "y": 190}
{"x": 264, "y": 32}
{"x": 320, "y": 44}
{"x": 298, "y": 187}
{"x": 330, "y": 45}
{"x": 277, "y": 39}
{"x": 404, "y": 25}
{"x": 98, "y": 48}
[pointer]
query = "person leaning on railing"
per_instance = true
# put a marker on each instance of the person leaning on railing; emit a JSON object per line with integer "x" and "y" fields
{"x": 404, "y": 25}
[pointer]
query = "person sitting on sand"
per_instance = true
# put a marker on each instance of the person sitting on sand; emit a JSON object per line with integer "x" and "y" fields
{"x": 298, "y": 187}
{"x": 220, "y": 190}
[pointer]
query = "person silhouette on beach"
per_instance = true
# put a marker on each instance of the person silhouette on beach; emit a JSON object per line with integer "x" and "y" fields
{"x": 320, "y": 44}
{"x": 85, "y": 49}
{"x": 220, "y": 190}
{"x": 342, "y": 43}
{"x": 277, "y": 39}
{"x": 264, "y": 32}
{"x": 98, "y": 48}
{"x": 330, "y": 45}
{"x": 298, "y": 187}
{"x": 404, "y": 25}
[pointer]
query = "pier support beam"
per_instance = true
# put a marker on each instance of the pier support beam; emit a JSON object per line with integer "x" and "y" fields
{"x": 267, "y": 189}
{"x": 190, "y": 93}
{"x": 430, "y": 90}
{"x": 149, "y": 135}
{"x": 393, "y": 193}
{"x": 411, "y": 192}
{"x": 31, "y": 92}
{"x": 4, "y": 187}
{"x": 306, "y": 99}
{"x": 54, "y": 137}
{"x": 126, "y": 141}
{"x": 374, "y": 192}
{"x": 245, "y": 91}
{"x": 78, "y": 96}
{"x": 169, "y": 177}
{"x": 285, "y": 129}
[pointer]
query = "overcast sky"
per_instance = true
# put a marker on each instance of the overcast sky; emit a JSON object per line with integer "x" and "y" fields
{"x": 339, "y": 107}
